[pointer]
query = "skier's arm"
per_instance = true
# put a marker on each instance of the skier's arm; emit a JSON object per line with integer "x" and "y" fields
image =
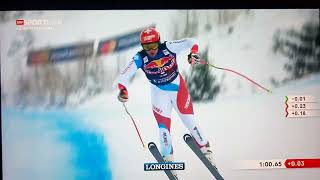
{"x": 185, "y": 44}
{"x": 126, "y": 75}
{"x": 178, "y": 46}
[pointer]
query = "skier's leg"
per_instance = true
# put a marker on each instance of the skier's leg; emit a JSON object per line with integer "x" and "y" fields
{"x": 182, "y": 103}
{"x": 161, "y": 106}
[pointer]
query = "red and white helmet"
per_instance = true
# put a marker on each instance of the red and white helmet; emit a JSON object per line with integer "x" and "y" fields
{"x": 149, "y": 35}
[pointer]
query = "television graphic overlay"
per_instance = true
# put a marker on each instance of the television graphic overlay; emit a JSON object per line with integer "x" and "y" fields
{"x": 237, "y": 94}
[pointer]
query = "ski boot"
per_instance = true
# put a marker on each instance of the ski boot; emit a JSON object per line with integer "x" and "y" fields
{"x": 169, "y": 158}
{"x": 208, "y": 153}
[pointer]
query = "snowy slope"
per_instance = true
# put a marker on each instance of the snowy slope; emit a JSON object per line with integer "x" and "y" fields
{"x": 100, "y": 133}
{"x": 250, "y": 127}
{"x": 52, "y": 145}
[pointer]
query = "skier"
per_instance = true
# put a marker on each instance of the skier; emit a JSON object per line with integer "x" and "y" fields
{"x": 168, "y": 89}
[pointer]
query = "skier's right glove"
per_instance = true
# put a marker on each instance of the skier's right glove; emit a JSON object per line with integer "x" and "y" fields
{"x": 123, "y": 94}
{"x": 193, "y": 58}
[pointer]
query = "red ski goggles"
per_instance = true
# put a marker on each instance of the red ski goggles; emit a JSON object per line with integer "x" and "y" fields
{"x": 151, "y": 46}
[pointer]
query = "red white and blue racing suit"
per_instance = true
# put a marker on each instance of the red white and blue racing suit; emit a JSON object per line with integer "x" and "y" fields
{"x": 168, "y": 89}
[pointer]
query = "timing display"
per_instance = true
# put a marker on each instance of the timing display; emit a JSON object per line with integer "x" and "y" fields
{"x": 278, "y": 164}
{"x": 299, "y": 106}
{"x": 302, "y": 163}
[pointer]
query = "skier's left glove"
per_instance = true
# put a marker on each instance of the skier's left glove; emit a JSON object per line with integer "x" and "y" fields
{"x": 123, "y": 94}
{"x": 193, "y": 58}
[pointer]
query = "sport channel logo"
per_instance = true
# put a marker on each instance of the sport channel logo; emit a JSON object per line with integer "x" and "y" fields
{"x": 164, "y": 166}
{"x": 37, "y": 24}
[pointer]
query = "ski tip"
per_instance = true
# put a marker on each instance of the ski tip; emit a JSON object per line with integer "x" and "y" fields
{"x": 151, "y": 145}
{"x": 186, "y": 136}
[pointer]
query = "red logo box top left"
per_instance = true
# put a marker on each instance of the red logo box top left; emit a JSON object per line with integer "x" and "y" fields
{"x": 19, "y": 22}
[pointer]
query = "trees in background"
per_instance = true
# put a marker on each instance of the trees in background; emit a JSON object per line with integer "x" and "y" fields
{"x": 202, "y": 85}
{"x": 302, "y": 48}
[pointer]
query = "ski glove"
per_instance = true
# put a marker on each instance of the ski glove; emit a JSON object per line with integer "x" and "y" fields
{"x": 123, "y": 94}
{"x": 193, "y": 58}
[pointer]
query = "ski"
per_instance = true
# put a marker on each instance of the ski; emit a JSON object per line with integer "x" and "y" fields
{"x": 192, "y": 144}
{"x": 157, "y": 155}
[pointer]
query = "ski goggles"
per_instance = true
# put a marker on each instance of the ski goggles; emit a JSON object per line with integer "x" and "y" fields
{"x": 150, "y": 46}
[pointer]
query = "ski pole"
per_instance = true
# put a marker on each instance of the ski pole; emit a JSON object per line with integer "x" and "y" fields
{"x": 134, "y": 125}
{"x": 230, "y": 70}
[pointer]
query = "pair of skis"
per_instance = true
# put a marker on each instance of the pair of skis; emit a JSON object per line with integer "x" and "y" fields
{"x": 193, "y": 146}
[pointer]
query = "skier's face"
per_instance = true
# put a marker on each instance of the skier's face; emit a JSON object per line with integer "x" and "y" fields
{"x": 152, "y": 52}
